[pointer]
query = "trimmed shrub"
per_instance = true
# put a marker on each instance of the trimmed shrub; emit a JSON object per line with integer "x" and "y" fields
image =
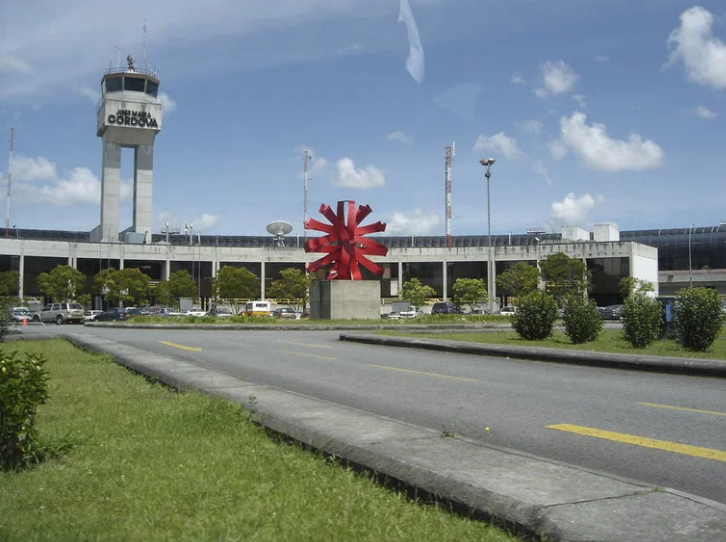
{"x": 698, "y": 318}
{"x": 6, "y": 318}
{"x": 582, "y": 321}
{"x": 642, "y": 320}
{"x": 23, "y": 387}
{"x": 535, "y": 316}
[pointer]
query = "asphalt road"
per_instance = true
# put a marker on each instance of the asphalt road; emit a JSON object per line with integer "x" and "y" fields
{"x": 667, "y": 430}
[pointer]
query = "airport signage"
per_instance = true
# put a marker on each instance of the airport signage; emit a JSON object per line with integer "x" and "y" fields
{"x": 140, "y": 119}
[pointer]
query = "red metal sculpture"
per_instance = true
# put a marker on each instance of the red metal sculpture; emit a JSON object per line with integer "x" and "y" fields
{"x": 344, "y": 244}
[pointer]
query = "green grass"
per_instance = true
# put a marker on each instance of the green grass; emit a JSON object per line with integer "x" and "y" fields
{"x": 610, "y": 340}
{"x": 156, "y": 465}
{"x": 426, "y": 319}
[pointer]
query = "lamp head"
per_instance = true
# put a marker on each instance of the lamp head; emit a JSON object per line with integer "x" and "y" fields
{"x": 487, "y": 162}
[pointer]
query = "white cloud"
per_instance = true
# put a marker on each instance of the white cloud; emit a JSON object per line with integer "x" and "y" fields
{"x": 415, "y": 60}
{"x": 580, "y": 99}
{"x": 573, "y": 210}
{"x": 598, "y": 151}
{"x": 518, "y": 79}
{"x": 400, "y": 136}
{"x": 13, "y": 64}
{"x": 81, "y": 187}
{"x": 499, "y": 143}
{"x": 419, "y": 223}
{"x": 532, "y": 126}
{"x": 557, "y": 78}
{"x": 168, "y": 104}
{"x": 205, "y": 222}
{"x": 703, "y": 55}
{"x": 704, "y": 113}
{"x": 602, "y": 58}
{"x": 33, "y": 169}
{"x": 539, "y": 167}
{"x": 90, "y": 93}
{"x": 350, "y": 177}
{"x": 557, "y": 149}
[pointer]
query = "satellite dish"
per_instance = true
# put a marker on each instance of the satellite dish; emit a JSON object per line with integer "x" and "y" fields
{"x": 279, "y": 228}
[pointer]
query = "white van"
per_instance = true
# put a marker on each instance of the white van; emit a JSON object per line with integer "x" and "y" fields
{"x": 258, "y": 308}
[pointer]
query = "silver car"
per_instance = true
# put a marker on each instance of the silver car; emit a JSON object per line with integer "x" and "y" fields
{"x": 60, "y": 313}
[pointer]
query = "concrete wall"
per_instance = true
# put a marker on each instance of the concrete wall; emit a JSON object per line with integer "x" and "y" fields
{"x": 645, "y": 269}
{"x": 345, "y": 300}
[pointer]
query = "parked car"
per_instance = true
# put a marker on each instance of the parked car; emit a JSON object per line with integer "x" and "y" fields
{"x": 90, "y": 316}
{"x": 446, "y": 308}
{"x": 611, "y": 312}
{"x": 195, "y": 311}
{"x": 220, "y": 312}
{"x": 165, "y": 312}
{"x": 507, "y": 311}
{"x": 110, "y": 315}
{"x": 60, "y": 313}
{"x": 20, "y": 313}
{"x": 138, "y": 311}
{"x": 286, "y": 313}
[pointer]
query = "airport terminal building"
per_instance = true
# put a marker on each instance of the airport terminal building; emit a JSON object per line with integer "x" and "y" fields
{"x": 129, "y": 115}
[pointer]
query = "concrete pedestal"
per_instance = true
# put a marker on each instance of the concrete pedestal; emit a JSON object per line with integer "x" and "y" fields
{"x": 345, "y": 300}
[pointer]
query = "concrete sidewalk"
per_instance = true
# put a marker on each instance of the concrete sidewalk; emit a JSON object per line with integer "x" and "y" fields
{"x": 688, "y": 366}
{"x": 543, "y": 498}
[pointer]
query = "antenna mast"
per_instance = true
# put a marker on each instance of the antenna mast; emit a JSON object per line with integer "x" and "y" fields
{"x": 10, "y": 179}
{"x": 450, "y": 152}
{"x": 144, "y": 45}
{"x": 306, "y": 159}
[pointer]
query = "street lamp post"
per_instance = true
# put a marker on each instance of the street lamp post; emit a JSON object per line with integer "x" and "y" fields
{"x": 488, "y": 163}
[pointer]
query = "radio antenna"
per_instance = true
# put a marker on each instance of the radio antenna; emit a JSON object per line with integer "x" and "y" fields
{"x": 144, "y": 45}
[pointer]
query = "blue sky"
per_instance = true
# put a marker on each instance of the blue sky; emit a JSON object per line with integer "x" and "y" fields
{"x": 596, "y": 110}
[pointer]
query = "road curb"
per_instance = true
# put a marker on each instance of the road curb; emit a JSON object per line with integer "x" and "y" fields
{"x": 300, "y": 327}
{"x": 684, "y": 366}
{"x": 541, "y": 498}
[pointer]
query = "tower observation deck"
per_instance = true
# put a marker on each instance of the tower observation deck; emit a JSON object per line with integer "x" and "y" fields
{"x": 129, "y": 115}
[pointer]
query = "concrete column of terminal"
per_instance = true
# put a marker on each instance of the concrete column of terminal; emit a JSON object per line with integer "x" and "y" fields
{"x": 167, "y": 269}
{"x": 110, "y": 190}
{"x": 143, "y": 180}
{"x": 446, "y": 281}
{"x": 262, "y": 280}
{"x": 400, "y": 277}
{"x": 21, "y": 273}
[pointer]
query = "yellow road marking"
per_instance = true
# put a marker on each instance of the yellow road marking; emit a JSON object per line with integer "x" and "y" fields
{"x": 181, "y": 346}
{"x": 309, "y": 355}
{"x": 306, "y": 344}
{"x": 422, "y": 373}
{"x": 685, "y": 449}
{"x": 711, "y": 412}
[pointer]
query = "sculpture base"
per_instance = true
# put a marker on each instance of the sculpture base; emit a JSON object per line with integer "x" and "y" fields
{"x": 345, "y": 300}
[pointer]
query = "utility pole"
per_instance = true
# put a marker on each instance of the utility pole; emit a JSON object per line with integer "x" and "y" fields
{"x": 306, "y": 159}
{"x": 10, "y": 179}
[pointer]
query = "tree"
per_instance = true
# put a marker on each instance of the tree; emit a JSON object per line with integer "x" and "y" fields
{"x": 181, "y": 284}
{"x": 469, "y": 291}
{"x": 125, "y": 286}
{"x": 63, "y": 283}
{"x": 631, "y": 287}
{"x": 161, "y": 293}
{"x": 9, "y": 281}
{"x": 564, "y": 275}
{"x": 293, "y": 284}
{"x": 519, "y": 280}
{"x": 233, "y": 283}
{"x": 416, "y": 293}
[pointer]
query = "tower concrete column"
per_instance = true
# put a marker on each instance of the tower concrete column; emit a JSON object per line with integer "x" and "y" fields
{"x": 400, "y": 277}
{"x": 143, "y": 179}
{"x": 110, "y": 191}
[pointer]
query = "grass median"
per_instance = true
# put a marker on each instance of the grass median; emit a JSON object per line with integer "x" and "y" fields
{"x": 157, "y": 465}
{"x": 610, "y": 340}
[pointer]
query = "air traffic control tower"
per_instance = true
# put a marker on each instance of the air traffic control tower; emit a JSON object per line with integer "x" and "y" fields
{"x": 129, "y": 115}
